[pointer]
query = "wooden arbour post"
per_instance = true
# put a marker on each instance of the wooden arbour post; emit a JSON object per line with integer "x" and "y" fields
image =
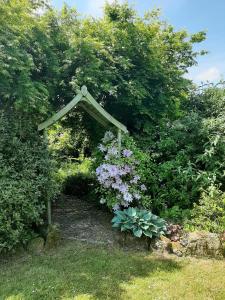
{"x": 119, "y": 138}
{"x": 85, "y": 100}
{"x": 49, "y": 209}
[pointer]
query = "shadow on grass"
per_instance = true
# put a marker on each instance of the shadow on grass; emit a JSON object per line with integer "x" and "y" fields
{"x": 77, "y": 269}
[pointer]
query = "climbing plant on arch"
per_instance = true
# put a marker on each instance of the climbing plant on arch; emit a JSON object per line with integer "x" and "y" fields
{"x": 85, "y": 100}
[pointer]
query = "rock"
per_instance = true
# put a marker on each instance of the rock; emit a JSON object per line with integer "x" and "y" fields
{"x": 36, "y": 245}
{"x": 204, "y": 244}
{"x": 157, "y": 245}
{"x": 222, "y": 236}
{"x": 177, "y": 249}
{"x": 184, "y": 240}
{"x": 127, "y": 240}
{"x": 223, "y": 249}
{"x": 163, "y": 244}
{"x": 53, "y": 237}
{"x": 166, "y": 242}
{"x": 165, "y": 239}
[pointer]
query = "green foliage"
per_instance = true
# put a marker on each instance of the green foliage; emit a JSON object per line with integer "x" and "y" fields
{"x": 74, "y": 167}
{"x": 139, "y": 222}
{"x": 207, "y": 101}
{"x": 134, "y": 66}
{"x": 28, "y": 64}
{"x": 60, "y": 142}
{"x": 188, "y": 153}
{"x": 175, "y": 214}
{"x": 76, "y": 178}
{"x": 79, "y": 185}
{"x": 209, "y": 213}
{"x": 26, "y": 181}
{"x": 131, "y": 64}
{"x": 66, "y": 142}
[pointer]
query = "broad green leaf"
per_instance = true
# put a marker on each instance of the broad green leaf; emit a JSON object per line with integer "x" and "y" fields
{"x": 137, "y": 232}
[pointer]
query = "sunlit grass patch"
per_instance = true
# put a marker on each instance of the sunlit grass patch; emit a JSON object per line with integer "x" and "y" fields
{"x": 79, "y": 271}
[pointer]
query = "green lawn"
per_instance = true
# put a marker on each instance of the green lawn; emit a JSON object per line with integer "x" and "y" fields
{"x": 76, "y": 271}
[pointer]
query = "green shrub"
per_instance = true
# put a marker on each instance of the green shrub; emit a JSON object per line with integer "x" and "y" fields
{"x": 175, "y": 214}
{"x": 76, "y": 177}
{"x": 67, "y": 141}
{"x": 69, "y": 168}
{"x": 209, "y": 214}
{"x": 26, "y": 181}
{"x": 187, "y": 158}
{"x": 139, "y": 222}
{"x": 79, "y": 185}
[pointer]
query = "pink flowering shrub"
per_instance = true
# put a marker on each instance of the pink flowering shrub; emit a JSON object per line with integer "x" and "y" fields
{"x": 120, "y": 182}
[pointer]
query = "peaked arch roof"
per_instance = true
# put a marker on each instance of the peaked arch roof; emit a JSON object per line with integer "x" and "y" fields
{"x": 91, "y": 106}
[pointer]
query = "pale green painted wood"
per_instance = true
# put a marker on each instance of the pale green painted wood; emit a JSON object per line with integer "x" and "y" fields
{"x": 84, "y": 90}
{"x": 49, "y": 208}
{"x": 87, "y": 102}
{"x": 60, "y": 113}
{"x": 105, "y": 114}
{"x": 93, "y": 114}
{"x": 119, "y": 138}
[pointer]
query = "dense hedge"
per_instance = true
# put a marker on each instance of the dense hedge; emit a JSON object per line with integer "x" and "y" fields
{"x": 25, "y": 181}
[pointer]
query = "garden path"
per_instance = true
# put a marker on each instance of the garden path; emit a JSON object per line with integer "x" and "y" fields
{"x": 84, "y": 221}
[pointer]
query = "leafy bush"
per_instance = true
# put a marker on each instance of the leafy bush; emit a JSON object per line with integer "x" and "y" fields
{"x": 29, "y": 62}
{"x": 120, "y": 175}
{"x": 67, "y": 141}
{"x": 79, "y": 185}
{"x": 76, "y": 177}
{"x": 188, "y": 154}
{"x": 26, "y": 181}
{"x": 139, "y": 222}
{"x": 209, "y": 214}
{"x": 73, "y": 168}
{"x": 175, "y": 214}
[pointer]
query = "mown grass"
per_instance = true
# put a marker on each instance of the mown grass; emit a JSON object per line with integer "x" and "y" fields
{"x": 78, "y": 271}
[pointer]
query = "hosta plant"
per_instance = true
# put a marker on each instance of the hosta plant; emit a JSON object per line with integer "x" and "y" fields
{"x": 139, "y": 222}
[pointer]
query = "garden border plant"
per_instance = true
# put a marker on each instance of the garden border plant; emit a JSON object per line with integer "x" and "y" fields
{"x": 121, "y": 178}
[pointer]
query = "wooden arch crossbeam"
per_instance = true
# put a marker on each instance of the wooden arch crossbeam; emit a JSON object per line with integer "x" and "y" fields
{"x": 89, "y": 104}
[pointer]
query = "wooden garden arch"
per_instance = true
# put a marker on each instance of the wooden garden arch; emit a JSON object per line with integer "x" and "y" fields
{"x": 85, "y": 100}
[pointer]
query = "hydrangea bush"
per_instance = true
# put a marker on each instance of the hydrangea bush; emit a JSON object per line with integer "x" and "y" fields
{"x": 120, "y": 175}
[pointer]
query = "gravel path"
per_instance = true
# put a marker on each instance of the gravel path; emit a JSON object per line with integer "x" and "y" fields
{"x": 84, "y": 221}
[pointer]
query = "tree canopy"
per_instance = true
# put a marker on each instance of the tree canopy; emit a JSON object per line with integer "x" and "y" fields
{"x": 134, "y": 65}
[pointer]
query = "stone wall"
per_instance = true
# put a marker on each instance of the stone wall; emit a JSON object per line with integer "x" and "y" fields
{"x": 198, "y": 243}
